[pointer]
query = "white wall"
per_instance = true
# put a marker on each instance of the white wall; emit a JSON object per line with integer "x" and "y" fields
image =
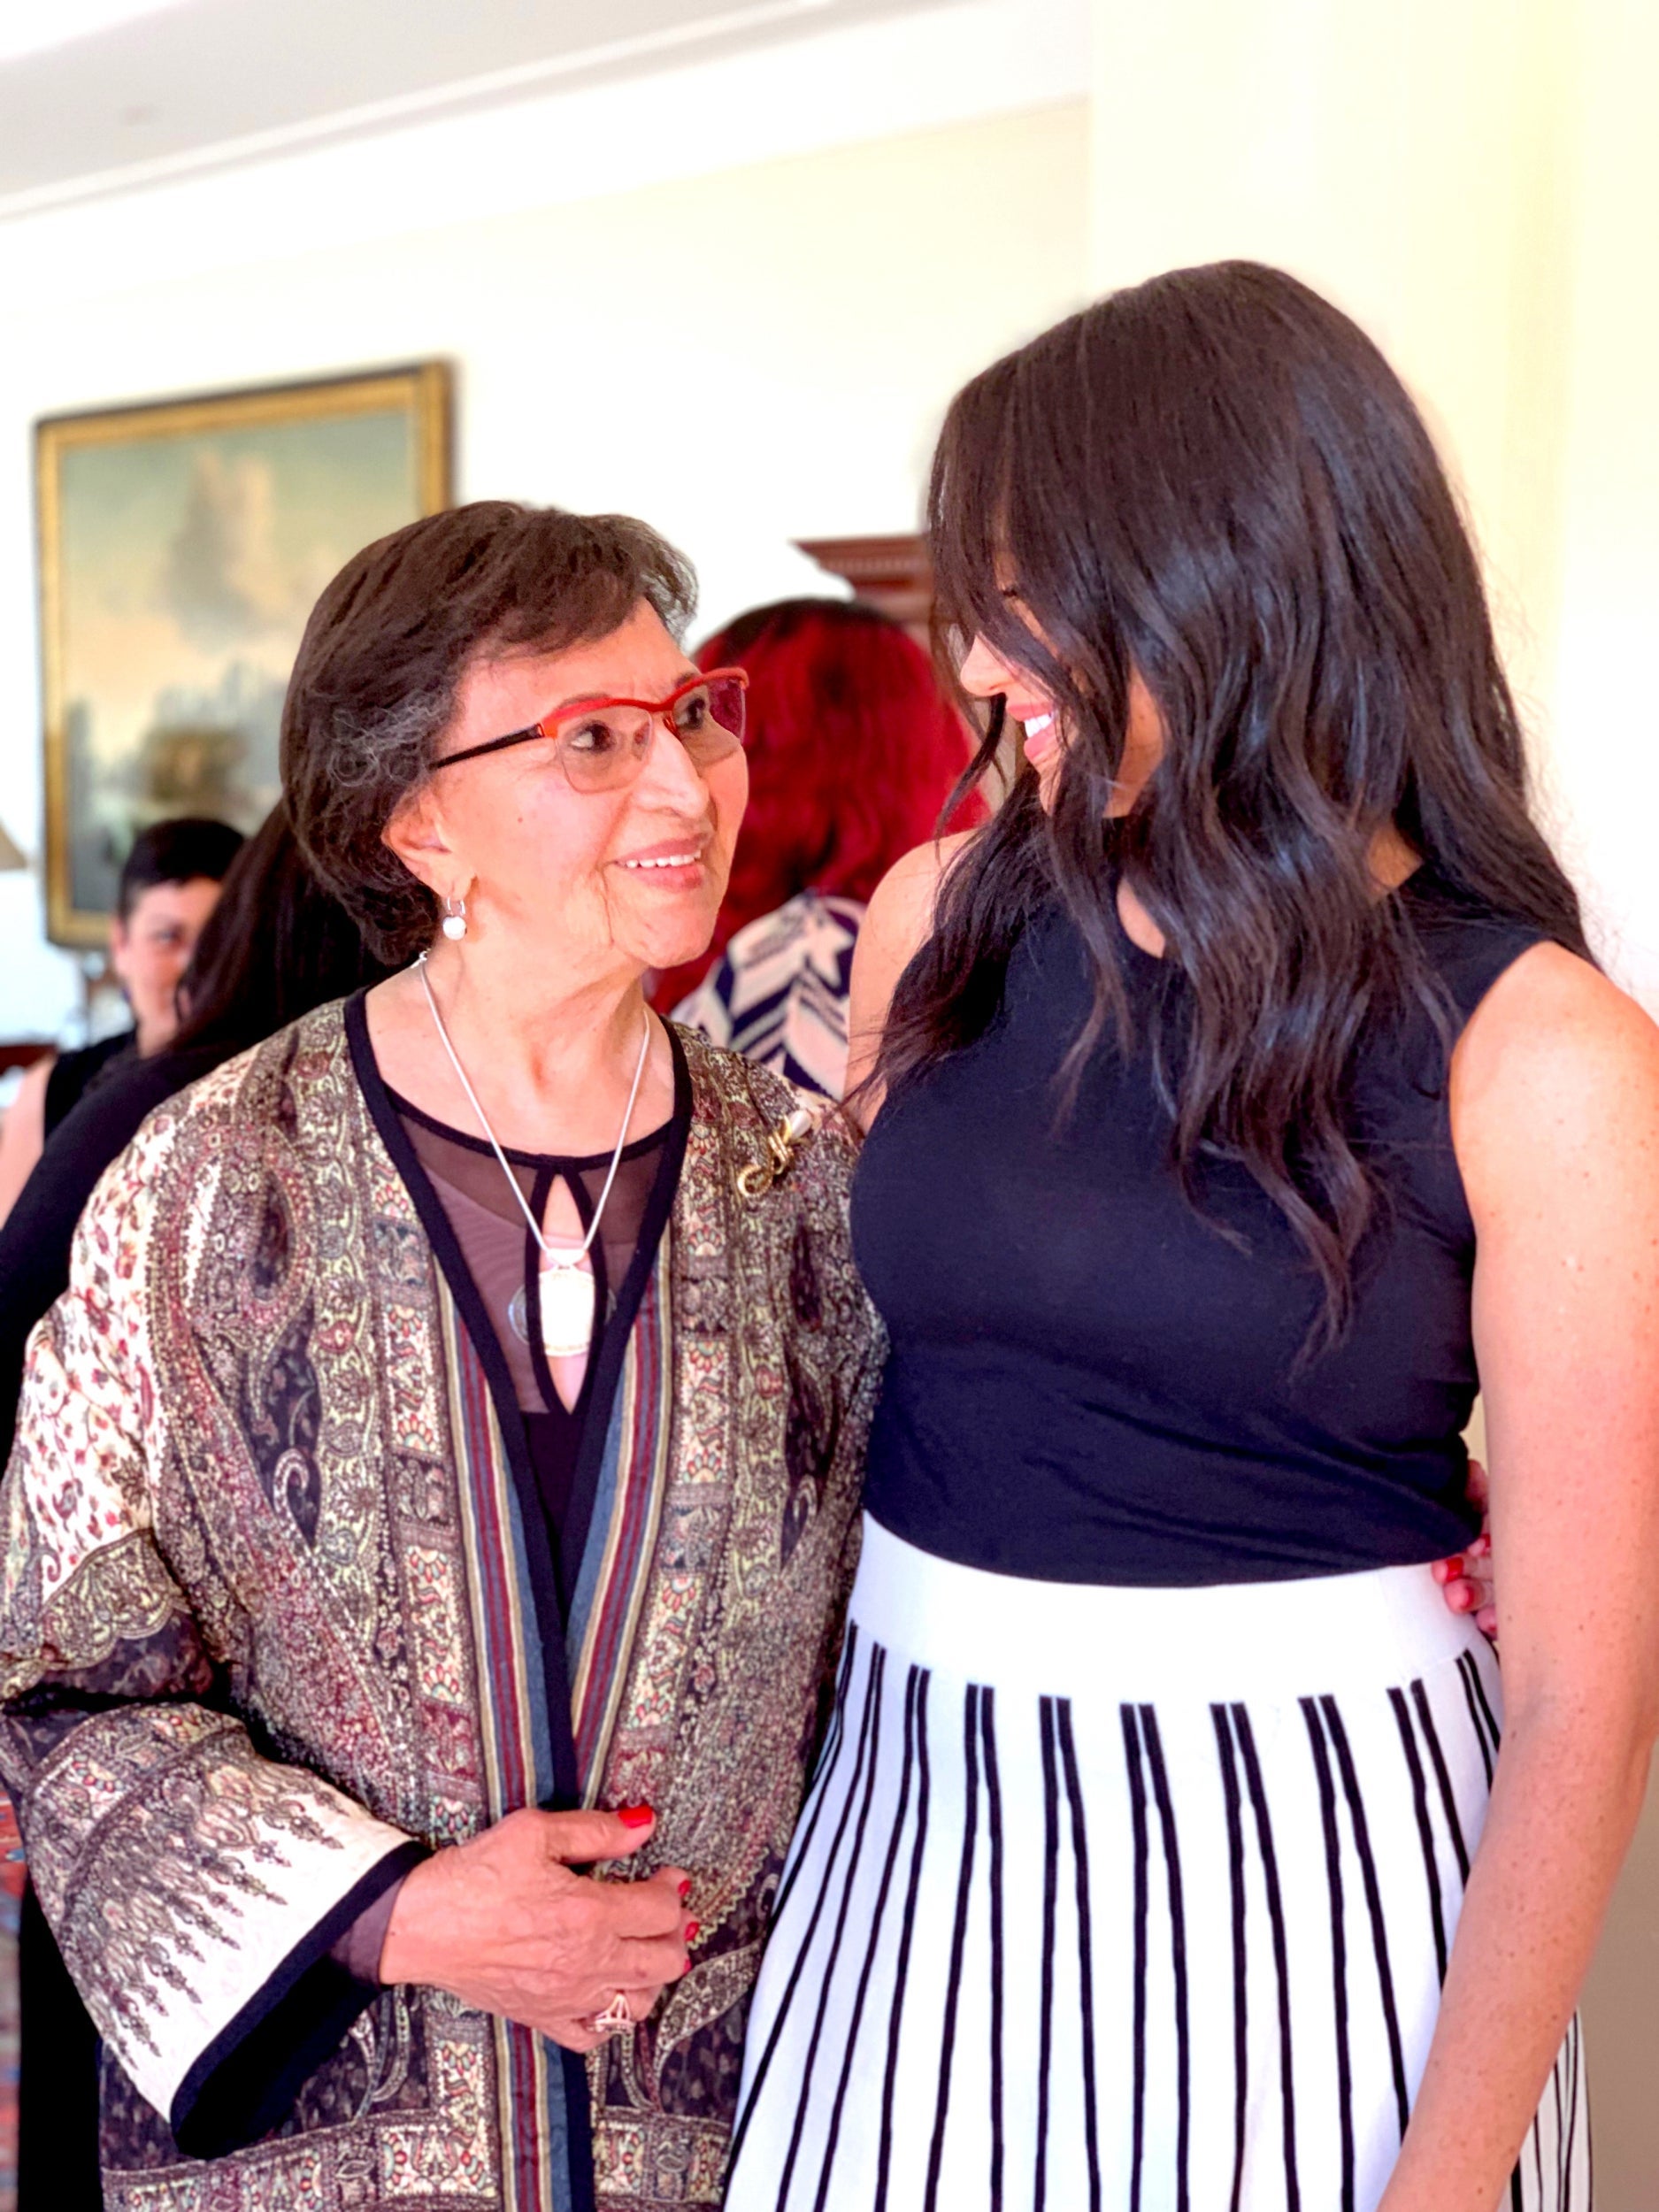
{"x": 1477, "y": 181}
{"x": 744, "y": 356}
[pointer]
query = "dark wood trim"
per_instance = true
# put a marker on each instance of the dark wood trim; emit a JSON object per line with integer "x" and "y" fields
{"x": 894, "y": 573}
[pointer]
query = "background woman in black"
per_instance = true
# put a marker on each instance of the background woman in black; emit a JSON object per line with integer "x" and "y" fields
{"x": 169, "y": 886}
{"x": 1250, "y": 1098}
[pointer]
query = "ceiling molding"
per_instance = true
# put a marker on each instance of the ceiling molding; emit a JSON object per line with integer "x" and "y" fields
{"x": 871, "y": 70}
{"x": 758, "y": 21}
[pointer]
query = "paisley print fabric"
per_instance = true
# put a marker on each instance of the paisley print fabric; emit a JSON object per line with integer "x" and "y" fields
{"x": 266, "y": 1629}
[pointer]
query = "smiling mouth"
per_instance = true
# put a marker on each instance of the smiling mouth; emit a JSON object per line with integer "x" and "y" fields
{"x": 664, "y": 860}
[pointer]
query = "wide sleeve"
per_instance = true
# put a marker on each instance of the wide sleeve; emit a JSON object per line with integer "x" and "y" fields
{"x": 195, "y": 1886}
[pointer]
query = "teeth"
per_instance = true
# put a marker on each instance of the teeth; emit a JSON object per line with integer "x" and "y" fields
{"x": 668, "y": 860}
{"x": 1038, "y": 724}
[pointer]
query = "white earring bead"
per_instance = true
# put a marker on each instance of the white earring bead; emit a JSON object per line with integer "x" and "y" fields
{"x": 455, "y": 920}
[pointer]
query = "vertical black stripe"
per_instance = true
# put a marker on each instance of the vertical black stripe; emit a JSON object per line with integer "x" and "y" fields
{"x": 958, "y": 1939}
{"x": 833, "y": 2139}
{"x": 1426, "y": 1832}
{"x": 1373, "y": 1901}
{"x": 817, "y": 1789}
{"x": 1516, "y": 2203}
{"x": 1442, "y": 1777}
{"x": 1561, "y": 2127}
{"x": 895, "y": 2016}
{"x": 1338, "y": 1941}
{"x": 994, "y": 1815}
{"x": 837, "y": 1727}
{"x": 870, "y": 1681}
{"x": 1281, "y": 1967}
{"x": 1589, "y": 2148}
{"x": 1177, "y": 1953}
{"x": 1492, "y": 1729}
{"x": 826, "y": 1980}
{"x": 1084, "y": 1944}
{"x": 1050, "y": 1889}
{"x": 1589, "y": 2152}
{"x": 1240, "y": 1981}
{"x": 1572, "y": 2110}
{"x": 1138, "y": 1817}
{"x": 1480, "y": 1714}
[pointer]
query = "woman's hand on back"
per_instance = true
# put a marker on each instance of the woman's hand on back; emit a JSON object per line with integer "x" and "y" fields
{"x": 1466, "y": 1579}
{"x": 502, "y": 1924}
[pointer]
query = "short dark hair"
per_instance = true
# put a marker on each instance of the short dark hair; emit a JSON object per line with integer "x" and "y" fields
{"x": 388, "y": 643}
{"x": 178, "y": 851}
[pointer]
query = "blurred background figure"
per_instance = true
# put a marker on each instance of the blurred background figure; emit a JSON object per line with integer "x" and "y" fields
{"x": 273, "y": 946}
{"x": 169, "y": 886}
{"x": 853, "y": 750}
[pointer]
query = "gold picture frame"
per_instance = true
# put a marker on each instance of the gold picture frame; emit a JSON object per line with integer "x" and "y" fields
{"x": 181, "y": 545}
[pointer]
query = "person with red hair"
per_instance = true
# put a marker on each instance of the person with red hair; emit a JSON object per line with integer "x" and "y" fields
{"x": 853, "y": 750}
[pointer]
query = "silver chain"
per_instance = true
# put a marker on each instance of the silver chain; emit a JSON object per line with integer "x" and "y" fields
{"x": 553, "y": 1257}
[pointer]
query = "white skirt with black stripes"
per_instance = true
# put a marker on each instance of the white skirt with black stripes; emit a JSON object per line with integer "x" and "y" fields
{"x": 1126, "y": 1900}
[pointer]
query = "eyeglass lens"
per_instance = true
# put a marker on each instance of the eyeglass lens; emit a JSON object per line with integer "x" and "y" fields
{"x": 608, "y": 745}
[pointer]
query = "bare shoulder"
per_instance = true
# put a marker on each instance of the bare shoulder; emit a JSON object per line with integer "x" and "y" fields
{"x": 23, "y": 1131}
{"x": 901, "y": 910}
{"x": 1556, "y": 1065}
{"x": 32, "y": 1088}
{"x": 898, "y": 919}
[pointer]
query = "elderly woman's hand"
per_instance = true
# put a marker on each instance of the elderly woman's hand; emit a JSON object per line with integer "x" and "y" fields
{"x": 1466, "y": 1579}
{"x": 503, "y": 1924}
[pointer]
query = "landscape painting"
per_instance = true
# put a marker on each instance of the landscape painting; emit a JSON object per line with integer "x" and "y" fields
{"x": 181, "y": 547}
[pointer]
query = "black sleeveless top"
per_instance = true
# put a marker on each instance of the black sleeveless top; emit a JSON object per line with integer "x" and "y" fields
{"x": 74, "y": 1074}
{"x": 1088, "y": 1382}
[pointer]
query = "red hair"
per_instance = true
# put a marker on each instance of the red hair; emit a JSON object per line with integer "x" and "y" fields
{"x": 852, "y": 748}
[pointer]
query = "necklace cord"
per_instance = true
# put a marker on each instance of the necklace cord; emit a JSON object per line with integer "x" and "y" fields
{"x": 561, "y": 1260}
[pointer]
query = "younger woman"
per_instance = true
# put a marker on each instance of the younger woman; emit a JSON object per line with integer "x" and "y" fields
{"x": 1249, "y": 1093}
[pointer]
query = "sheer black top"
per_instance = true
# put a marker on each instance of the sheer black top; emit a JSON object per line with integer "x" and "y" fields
{"x": 1089, "y": 1381}
{"x": 492, "y": 1261}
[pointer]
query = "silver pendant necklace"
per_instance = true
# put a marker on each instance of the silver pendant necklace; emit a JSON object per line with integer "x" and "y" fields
{"x": 566, "y": 1285}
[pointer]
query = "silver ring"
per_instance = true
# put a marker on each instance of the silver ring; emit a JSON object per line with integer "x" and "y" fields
{"x": 615, "y": 2018}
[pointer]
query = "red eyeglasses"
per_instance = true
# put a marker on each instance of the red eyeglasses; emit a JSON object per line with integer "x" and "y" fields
{"x": 601, "y": 744}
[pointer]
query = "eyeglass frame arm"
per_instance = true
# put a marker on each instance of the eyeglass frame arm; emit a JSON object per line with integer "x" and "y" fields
{"x": 657, "y": 709}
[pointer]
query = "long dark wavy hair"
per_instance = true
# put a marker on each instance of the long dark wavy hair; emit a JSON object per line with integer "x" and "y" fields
{"x": 1216, "y": 481}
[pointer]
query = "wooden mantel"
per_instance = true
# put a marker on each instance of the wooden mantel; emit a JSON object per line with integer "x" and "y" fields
{"x": 893, "y": 573}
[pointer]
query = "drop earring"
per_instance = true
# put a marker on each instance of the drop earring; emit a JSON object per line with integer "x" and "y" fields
{"x": 455, "y": 920}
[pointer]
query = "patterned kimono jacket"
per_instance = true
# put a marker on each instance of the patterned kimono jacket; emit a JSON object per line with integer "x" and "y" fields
{"x": 279, "y": 1616}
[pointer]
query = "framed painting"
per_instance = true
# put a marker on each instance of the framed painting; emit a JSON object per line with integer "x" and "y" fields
{"x": 182, "y": 546}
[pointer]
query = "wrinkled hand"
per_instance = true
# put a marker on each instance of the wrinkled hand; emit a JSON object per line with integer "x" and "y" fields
{"x": 1466, "y": 1580}
{"x": 503, "y": 1924}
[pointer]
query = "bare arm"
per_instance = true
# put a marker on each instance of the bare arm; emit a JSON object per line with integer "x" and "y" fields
{"x": 899, "y": 918}
{"x": 1556, "y": 1121}
{"x": 23, "y": 1136}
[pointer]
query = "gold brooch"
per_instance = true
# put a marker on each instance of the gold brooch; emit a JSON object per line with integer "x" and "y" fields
{"x": 782, "y": 1140}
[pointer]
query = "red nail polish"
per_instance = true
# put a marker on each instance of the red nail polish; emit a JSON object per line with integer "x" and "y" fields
{"x": 635, "y": 1816}
{"x": 693, "y": 1930}
{"x": 685, "y": 1890}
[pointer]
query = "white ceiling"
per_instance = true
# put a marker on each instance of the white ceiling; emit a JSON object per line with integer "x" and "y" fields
{"x": 200, "y": 83}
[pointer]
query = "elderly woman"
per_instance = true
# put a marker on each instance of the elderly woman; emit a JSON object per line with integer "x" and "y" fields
{"x": 431, "y": 1501}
